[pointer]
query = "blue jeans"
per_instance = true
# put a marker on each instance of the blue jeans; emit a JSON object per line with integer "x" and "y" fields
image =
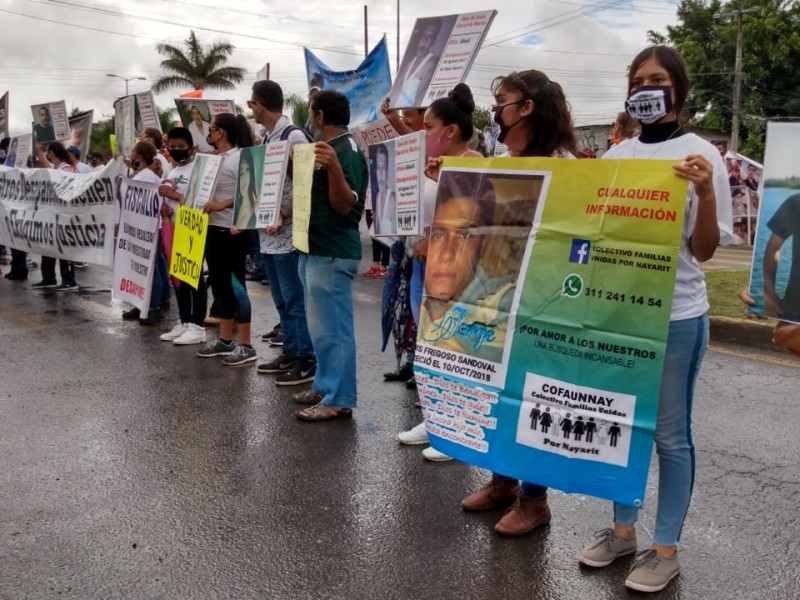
{"x": 328, "y": 287}
{"x": 287, "y": 293}
{"x": 686, "y": 346}
{"x": 416, "y": 286}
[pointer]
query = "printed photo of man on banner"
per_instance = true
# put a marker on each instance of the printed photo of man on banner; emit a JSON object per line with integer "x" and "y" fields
{"x": 775, "y": 274}
{"x": 50, "y": 122}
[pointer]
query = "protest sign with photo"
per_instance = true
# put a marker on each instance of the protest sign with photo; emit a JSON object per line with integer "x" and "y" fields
{"x": 373, "y": 133}
{"x": 125, "y": 124}
{"x": 744, "y": 176}
{"x": 19, "y": 151}
{"x": 50, "y": 122}
{"x": 544, "y": 322}
{"x": 137, "y": 242}
{"x": 276, "y": 164}
{"x": 80, "y": 132}
{"x": 248, "y": 187}
{"x": 366, "y": 86}
{"x": 303, "y": 179}
{"x": 60, "y": 214}
{"x": 396, "y": 177}
{"x": 775, "y": 274}
{"x": 4, "y": 115}
{"x": 196, "y": 114}
{"x": 438, "y": 56}
{"x": 202, "y": 181}
{"x": 146, "y": 112}
{"x": 188, "y": 245}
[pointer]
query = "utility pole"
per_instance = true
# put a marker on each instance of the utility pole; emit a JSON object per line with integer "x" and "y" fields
{"x": 398, "y": 36}
{"x": 366, "y": 33}
{"x": 737, "y": 70}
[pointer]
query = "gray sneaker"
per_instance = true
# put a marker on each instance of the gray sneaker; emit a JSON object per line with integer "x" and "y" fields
{"x": 242, "y": 355}
{"x": 651, "y": 572}
{"x": 606, "y": 547}
{"x": 216, "y": 348}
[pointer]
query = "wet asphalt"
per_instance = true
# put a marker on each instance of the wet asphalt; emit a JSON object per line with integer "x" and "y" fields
{"x": 129, "y": 468}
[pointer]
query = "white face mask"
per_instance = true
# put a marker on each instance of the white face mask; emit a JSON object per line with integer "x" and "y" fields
{"x": 650, "y": 103}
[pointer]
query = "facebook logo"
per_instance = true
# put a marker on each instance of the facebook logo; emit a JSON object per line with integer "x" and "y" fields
{"x": 580, "y": 251}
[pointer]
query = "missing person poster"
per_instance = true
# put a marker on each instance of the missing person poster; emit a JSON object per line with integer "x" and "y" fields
{"x": 396, "y": 181}
{"x": 303, "y": 179}
{"x": 366, "y": 86}
{"x": 19, "y": 151}
{"x": 50, "y": 122}
{"x": 80, "y": 132}
{"x": 548, "y": 289}
{"x": 248, "y": 187}
{"x": 276, "y": 164}
{"x": 4, "y": 115}
{"x": 374, "y": 132}
{"x": 60, "y": 214}
{"x": 196, "y": 114}
{"x": 125, "y": 124}
{"x": 137, "y": 244}
{"x": 438, "y": 56}
{"x": 744, "y": 177}
{"x": 146, "y": 112}
{"x": 202, "y": 181}
{"x": 775, "y": 275}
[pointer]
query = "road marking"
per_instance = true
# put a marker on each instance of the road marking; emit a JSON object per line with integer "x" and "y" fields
{"x": 764, "y": 356}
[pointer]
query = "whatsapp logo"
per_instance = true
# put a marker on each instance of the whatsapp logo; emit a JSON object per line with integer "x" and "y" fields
{"x": 572, "y": 286}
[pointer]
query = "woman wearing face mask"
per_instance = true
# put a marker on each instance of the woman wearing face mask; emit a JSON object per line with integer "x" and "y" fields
{"x": 534, "y": 120}
{"x": 226, "y": 247}
{"x": 448, "y": 123}
{"x": 658, "y": 85}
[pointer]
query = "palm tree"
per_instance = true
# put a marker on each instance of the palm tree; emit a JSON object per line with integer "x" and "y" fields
{"x": 298, "y": 107}
{"x": 166, "y": 118}
{"x": 198, "y": 66}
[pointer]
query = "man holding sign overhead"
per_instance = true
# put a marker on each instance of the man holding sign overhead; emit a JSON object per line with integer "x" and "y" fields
{"x": 338, "y": 193}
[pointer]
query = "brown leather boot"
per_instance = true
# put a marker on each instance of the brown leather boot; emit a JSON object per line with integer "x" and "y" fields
{"x": 499, "y": 492}
{"x": 525, "y": 515}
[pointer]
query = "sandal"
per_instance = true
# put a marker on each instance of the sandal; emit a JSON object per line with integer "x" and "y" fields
{"x": 307, "y": 397}
{"x": 323, "y": 412}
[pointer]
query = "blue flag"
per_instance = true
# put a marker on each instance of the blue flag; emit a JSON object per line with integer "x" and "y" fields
{"x": 365, "y": 87}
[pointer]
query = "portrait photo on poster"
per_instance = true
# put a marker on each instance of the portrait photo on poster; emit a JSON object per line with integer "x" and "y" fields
{"x": 775, "y": 276}
{"x": 43, "y": 128}
{"x": 196, "y": 117}
{"x": 248, "y": 188}
{"x": 382, "y": 192}
{"x": 425, "y": 48}
{"x": 476, "y": 248}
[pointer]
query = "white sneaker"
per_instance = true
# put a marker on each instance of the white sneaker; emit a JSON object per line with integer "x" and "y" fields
{"x": 194, "y": 334}
{"x": 434, "y": 455}
{"x": 414, "y": 436}
{"x": 176, "y": 332}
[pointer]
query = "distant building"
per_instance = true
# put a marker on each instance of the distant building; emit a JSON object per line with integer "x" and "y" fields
{"x": 598, "y": 137}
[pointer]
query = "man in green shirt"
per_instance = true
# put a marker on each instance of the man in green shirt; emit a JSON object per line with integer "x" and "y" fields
{"x": 327, "y": 271}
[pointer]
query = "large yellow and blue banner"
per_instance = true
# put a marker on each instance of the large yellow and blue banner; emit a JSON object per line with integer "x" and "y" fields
{"x": 548, "y": 289}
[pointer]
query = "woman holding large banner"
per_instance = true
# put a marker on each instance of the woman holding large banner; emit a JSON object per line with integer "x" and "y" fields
{"x": 534, "y": 120}
{"x": 658, "y": 85}
{"x": 226, "y": 247}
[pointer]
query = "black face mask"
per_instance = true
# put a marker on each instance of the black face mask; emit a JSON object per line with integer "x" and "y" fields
{"x": 179, "y": 155}
{"x": 504, "y": 129}
{"x": 136, "y": 165}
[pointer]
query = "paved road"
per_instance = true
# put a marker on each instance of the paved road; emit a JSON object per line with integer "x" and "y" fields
{"x": 132, "y": 469}
{"x": 731, "y": 257}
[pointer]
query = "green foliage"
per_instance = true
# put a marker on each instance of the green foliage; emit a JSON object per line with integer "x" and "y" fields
{"x": 723, "y": 291}
{"x": 166, "y": 118}
{"x": 792, "y": 183}
{"x": 481, "y": 118}
{"x": 197, "y": 66}
{"x": 298, "y": 109}
{"x": 771, "y": 52}
{"x": 100, "y": 140}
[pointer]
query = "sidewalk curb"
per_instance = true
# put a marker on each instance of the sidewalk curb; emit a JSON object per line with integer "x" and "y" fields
{"x": 744, "y": 332}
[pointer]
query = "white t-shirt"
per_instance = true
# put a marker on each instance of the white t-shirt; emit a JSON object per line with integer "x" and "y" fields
{"x": 147, "y": 176}
{"x": 226, "y": 188}
{"x": 165, "y": 166}
{"x": 180, "y": 176}
{"x": 690, "y": 298}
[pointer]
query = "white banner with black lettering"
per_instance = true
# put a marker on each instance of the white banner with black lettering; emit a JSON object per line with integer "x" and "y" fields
{"x": 60, "y": 214}
{"x": 137, "y": 243}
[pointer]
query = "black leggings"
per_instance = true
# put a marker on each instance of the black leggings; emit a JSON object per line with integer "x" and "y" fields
{"x": 192, "y": 302}
{"x": 380, "y": 252}
{"x": 226, "y": 255}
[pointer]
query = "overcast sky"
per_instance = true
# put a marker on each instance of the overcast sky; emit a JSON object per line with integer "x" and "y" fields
{"x": 62, "y": 49}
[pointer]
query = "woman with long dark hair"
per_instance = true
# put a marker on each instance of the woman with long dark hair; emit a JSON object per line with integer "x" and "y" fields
{"x": 226, "y": 247}
{"x": 658, "y": 86}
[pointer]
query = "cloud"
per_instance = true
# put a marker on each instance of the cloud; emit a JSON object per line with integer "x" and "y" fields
{"x": 581, "y": 47}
